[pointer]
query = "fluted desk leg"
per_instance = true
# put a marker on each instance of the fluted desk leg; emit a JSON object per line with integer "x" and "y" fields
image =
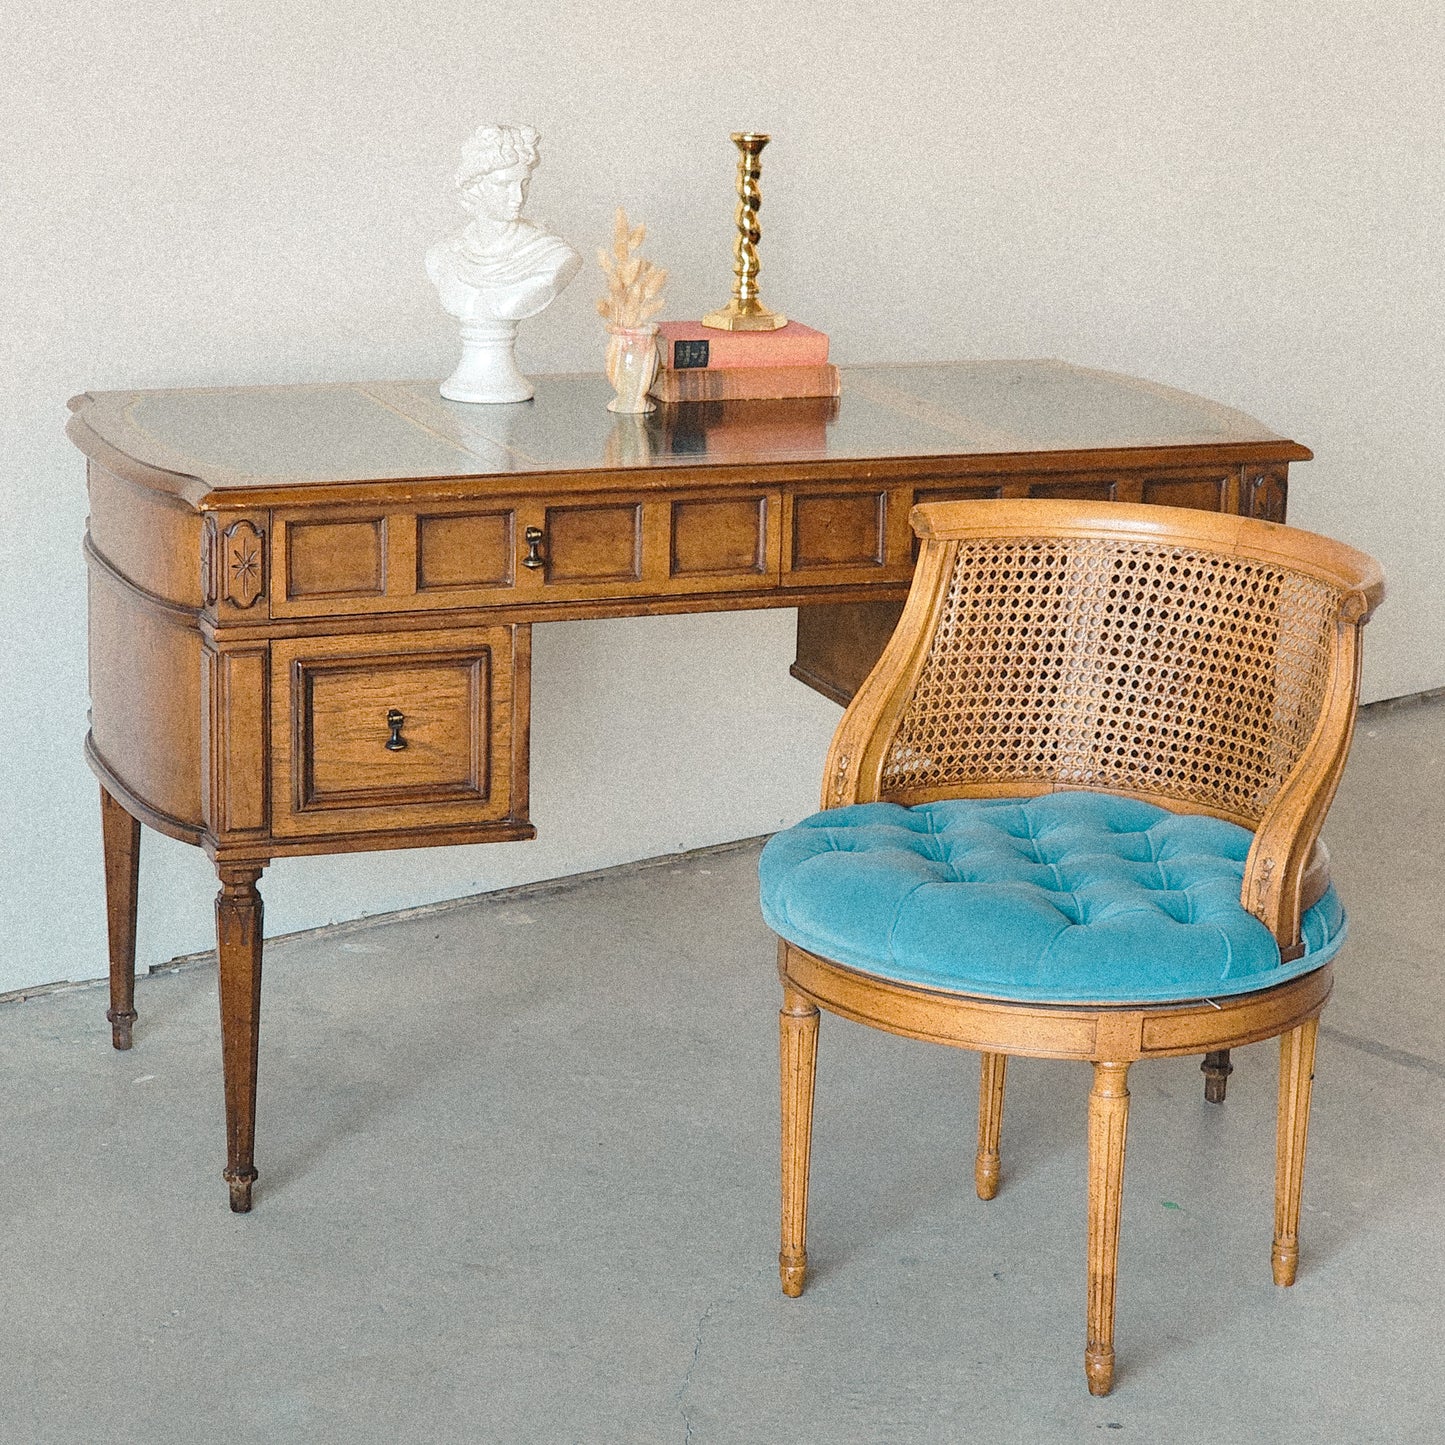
{"x": 238, "y": 945}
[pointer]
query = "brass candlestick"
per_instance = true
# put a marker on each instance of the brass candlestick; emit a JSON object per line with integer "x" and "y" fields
{"x": 745, "y": 312}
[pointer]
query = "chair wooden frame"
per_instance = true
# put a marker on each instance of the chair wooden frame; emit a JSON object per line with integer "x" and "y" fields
{"x": 1284, "y": 873}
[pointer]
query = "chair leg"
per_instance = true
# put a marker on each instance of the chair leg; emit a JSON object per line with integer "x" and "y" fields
{"x": 1108, "y": 1124}
{"x": 798, "y": 1058}
{"x": 1216, "y": 1069}
{"x": 990, "y": 1121}
{"x": 1296, "y": 1072}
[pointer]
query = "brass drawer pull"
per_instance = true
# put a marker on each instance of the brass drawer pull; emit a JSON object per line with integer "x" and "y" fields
{"x": 533, "y": 538}
{"x": 394, "y": 719}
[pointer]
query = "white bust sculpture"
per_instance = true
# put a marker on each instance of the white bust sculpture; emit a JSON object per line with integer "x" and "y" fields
{"x": 500, "y": 269}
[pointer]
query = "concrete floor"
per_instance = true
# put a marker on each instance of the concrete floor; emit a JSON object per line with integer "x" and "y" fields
{"x": 518, "y": 1183}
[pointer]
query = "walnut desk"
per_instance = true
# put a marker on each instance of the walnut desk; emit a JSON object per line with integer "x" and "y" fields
{"x": 311, "y": 606}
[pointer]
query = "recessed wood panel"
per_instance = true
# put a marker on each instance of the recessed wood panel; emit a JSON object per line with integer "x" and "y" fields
{"x": 711, "y": 538}
{"x": 1077, "y": 489}
{"x": 465, "y": 551}
{"x": 958, "y": 493}
{"x": 839, "y": 530}
{"x": 594, "y": 544}
{"x": 334, "y": 559}
{"x": 234, "y": 769}
{"x": 1207, "y": 494}
{"x": 342, "y": 730}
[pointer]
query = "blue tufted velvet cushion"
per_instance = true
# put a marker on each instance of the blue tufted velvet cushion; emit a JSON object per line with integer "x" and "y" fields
{"x": 1070, "y": 897}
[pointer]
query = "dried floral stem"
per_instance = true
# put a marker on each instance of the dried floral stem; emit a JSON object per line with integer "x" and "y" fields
{"x": 634, "y": 285}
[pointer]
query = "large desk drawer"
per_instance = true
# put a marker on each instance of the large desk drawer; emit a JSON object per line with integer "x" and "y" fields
{"x": 414, "y": 730}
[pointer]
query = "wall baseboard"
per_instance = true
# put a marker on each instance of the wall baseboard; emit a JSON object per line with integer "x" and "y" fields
{"x": 207, "y": 957}
{"x": 1396, "y": 704}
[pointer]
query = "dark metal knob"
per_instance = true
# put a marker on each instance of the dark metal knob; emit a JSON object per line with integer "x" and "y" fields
{"x": 533, "y": 538}
{"x": 394, "y": 719}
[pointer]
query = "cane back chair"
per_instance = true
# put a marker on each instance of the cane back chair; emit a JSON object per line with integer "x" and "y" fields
{"x": 1073, "y": 814}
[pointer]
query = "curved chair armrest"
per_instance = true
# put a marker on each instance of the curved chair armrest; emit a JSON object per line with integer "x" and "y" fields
{"x": 1284, "y": 842}
{"x": 853, "y": 773}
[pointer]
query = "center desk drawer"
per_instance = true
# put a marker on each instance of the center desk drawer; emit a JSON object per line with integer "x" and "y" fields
{"x": 414, "y": 730}
{"x": 336, "y": 562}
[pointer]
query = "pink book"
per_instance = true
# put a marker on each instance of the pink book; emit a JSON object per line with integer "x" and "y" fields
{"x": 691, "y": 346}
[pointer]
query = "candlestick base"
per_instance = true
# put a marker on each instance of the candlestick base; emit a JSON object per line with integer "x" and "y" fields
{"x": 750, "y": 315}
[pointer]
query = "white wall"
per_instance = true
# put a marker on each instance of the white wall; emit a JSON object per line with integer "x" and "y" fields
{"x": 1238, "y": 198}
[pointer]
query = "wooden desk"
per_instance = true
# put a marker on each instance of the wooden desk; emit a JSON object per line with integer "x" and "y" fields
{"x": 311, "y": 606}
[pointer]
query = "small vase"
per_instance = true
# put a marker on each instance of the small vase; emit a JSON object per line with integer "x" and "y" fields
{"x": 631, "y": 366}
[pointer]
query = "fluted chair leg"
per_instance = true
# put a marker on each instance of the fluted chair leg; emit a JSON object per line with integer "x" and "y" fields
{"x": 1216, "y": 1069}
{"x": 1296, "y": 1072}
{"x": 798, "y": 1057}
{"x": 1108, "y": 1124}
{"x": 990, "y": 1121}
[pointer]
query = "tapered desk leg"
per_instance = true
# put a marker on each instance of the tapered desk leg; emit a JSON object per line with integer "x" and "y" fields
{"x": 798, "y": 1057}
{"x": 1108, "y": 1126}
{"x": 1296, "y": 1073}
{"x": 238, "y": 947}
{"x": 990, "y": 1122}
{"x": 120, "y": 838}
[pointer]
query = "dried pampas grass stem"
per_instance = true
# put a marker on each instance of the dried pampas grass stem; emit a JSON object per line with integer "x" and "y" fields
{"x": 634, "y": 285}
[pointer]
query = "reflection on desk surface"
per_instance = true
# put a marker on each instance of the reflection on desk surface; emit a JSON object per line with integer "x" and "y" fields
{"x": 368, "y": 431}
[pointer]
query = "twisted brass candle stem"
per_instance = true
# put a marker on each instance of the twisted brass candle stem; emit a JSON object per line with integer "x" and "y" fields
{"x": 745, "y": 312}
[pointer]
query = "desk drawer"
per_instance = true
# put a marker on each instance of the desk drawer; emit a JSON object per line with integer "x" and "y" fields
{"x": 410, "y": 731}
{"x": 355, "y": 561}
{"x": 836, "y": 536}
{"x": 349, "y": 562}
{"x": 703, "y": 542}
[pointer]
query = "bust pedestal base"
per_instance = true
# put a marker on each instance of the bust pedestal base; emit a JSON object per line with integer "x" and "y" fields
{"x": 487, "y": 371}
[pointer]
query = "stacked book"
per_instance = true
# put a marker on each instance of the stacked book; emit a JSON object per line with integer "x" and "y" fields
{"x": 697, "y": 363}
{"x": 744, "y": 431}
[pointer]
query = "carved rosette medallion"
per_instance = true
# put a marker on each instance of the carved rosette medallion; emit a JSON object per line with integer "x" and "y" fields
{"x": 243, "y": 551}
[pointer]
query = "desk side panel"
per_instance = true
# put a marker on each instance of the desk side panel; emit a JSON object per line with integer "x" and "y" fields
{"x": 147, "y": 537}
{"x": 145, "y": 696}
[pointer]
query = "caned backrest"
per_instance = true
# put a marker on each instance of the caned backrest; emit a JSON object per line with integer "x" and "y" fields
{"x": 1198, "y": 660}
{"x": 1132, "y": 666}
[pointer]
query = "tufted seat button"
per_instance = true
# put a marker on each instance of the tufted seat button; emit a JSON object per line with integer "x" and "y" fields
{"x": 1128, "y": 903}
